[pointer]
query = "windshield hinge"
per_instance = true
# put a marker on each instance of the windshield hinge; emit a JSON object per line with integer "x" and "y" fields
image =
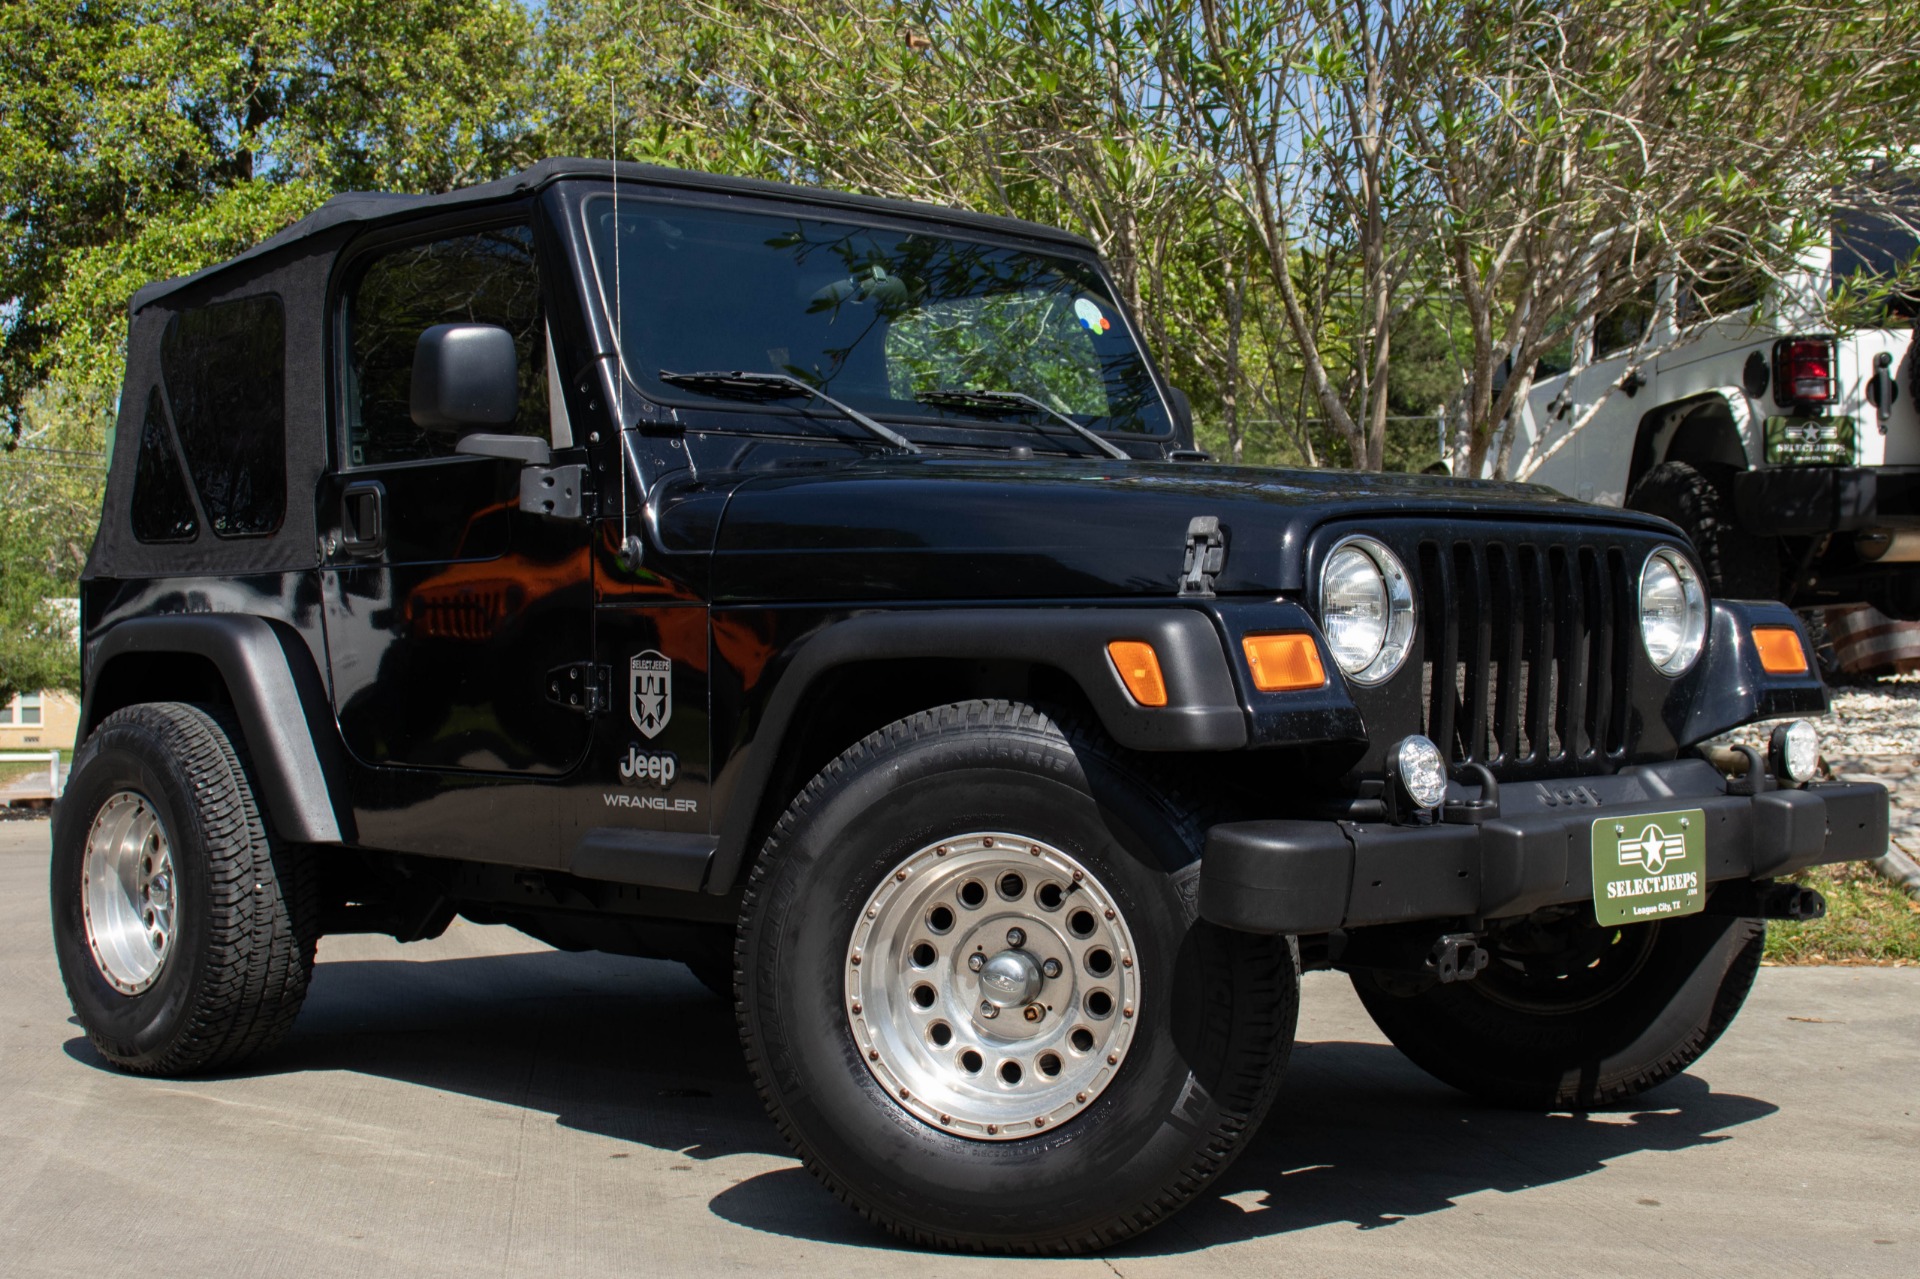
{"x": 581, "y": 686}
{"x": 1206, "y": 556}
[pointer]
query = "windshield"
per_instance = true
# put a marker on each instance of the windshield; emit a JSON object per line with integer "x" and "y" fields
{"x": 874, "y": 317}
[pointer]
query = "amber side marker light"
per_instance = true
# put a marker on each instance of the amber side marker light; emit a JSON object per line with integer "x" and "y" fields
{"x": 1780, "y": 650}
{"x": 1139, "y": 668}
{"x": 1282, "y": 663}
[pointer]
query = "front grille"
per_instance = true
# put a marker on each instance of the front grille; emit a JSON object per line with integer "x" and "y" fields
{"x": 1528, "y": 651}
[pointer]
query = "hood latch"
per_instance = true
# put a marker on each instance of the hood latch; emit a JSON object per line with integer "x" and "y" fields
{"x": 1206, "y": 556}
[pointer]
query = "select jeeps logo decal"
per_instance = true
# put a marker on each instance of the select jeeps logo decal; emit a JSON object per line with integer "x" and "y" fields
{"x": 650, "y": 691}
{"x": 1649, "y": 866}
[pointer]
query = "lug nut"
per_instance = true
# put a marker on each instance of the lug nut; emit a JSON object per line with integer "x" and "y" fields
{"x": 1035, "y": 1012}
{"x": 1016, "y": 936}
{"x": 1051, "y": 968}
{"x": 988, "y": 1010}
{"x": 976, "y": 961}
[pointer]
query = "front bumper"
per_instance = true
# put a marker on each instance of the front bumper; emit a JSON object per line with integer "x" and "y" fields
{"x": 1807, "y": 500}
{"x": 1310, "y": 877}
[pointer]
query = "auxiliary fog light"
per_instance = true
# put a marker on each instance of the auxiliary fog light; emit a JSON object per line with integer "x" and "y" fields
{"x": 1794, "y": 750}
{"x": 1419, "y": 770}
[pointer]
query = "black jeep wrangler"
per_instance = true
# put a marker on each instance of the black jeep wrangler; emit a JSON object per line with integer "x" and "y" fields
{"x": 827, "y": 593}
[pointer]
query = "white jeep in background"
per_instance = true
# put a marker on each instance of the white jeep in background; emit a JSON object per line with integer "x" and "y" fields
{"x": 1790, "y": 453}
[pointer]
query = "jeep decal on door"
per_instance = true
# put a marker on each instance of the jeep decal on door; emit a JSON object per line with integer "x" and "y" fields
{"x": 650, "y": 691}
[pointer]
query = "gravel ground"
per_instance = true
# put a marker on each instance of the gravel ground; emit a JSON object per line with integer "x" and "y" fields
{"x": 1873, "y": 734}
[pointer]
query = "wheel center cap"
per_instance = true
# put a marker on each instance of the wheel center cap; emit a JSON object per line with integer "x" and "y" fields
{"x": 1011, "y": 978}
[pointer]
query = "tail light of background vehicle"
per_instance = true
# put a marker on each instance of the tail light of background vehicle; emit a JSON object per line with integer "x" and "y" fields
{"x": 1803, "y": 371}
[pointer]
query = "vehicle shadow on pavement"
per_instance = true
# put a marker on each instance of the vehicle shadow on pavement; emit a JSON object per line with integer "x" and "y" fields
{"x": 632, "y": 1049}
{"x": 638, "y": 1051}
{"x": 1361, "y": 1136}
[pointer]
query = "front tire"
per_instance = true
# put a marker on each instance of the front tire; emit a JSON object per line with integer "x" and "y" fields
{"x": 185, "y": 934}
{"x": 1572, "y": 1016}
{"x": 1130, "y": 1050}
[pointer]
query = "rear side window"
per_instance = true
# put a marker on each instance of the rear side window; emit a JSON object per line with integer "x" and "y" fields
{"x": 225, "y": 372}
{"x": 162, "y": 511}
{"x": 482, "y": 277}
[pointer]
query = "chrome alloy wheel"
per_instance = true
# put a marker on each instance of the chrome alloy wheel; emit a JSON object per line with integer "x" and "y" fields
{"x": 127, "y": 893}
{"x": 992, "y": 986}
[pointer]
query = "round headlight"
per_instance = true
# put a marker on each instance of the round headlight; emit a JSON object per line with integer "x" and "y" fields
{"x": 1366, "y": 609}
{"x": 1673, "y": 611}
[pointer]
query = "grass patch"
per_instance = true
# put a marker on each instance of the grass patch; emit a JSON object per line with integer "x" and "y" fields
{"x": 1869, "y": 921}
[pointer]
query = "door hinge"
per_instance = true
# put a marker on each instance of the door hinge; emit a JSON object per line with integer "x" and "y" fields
{"x": 558, "y": 492}
{"x": 580, "y": 686}
{"x": 1206, "y": 556}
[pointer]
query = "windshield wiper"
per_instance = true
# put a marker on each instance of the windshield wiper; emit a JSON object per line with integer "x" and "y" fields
{"x": 1005, "y": 401}
{"x": 775, "y": 386}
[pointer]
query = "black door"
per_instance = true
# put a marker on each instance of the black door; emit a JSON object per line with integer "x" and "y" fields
{"x": 449, "y": 611}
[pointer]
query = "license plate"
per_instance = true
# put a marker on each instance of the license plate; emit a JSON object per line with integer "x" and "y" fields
{"x": 1809, "y": 441}
{"x": 1649, "y": 866}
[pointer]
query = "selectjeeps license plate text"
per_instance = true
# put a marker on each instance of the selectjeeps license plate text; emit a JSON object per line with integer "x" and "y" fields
{"x": 1649, "y": 866}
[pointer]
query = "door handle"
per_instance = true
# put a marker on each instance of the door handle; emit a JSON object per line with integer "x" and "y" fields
{"x": 363, "y": 519}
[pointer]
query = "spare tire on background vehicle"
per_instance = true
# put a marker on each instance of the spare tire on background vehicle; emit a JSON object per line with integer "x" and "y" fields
{"x": 1698, "y": 497}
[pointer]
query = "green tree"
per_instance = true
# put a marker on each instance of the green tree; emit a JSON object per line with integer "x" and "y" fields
{"x": 148, "y": 138}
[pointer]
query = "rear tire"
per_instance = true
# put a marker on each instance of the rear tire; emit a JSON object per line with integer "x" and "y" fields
{"x": 185, "y": 933}
{"x": 1593, "y": 1017}
{"x": 1184, "y": 1083}
{"x": 1699, "y": 498}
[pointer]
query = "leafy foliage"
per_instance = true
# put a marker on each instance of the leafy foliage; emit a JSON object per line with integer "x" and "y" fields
{"x": 1333, "y": 220}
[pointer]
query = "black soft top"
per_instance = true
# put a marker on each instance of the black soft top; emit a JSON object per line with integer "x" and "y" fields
{"x": 289, "y": 275}
{"x": 367, "y": 208}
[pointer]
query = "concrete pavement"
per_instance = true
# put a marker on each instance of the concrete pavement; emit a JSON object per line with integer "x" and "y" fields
{"x": 481, "y": 1105}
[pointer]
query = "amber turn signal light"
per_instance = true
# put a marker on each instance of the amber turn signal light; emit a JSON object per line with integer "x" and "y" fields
{"x": 1780, "y": 650}
{"x": 1139, "y": 668}
{"x": 1281, "y": 663}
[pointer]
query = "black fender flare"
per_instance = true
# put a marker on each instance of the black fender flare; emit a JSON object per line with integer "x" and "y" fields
{"x": 277, "y": 696}
{"x": 1203, "y": 710}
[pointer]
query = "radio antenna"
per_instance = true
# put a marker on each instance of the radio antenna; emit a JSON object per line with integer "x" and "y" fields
{"x": 631, "y": 548}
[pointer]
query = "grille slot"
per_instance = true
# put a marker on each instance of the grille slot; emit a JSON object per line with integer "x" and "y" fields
{"x": 1527, "y": 653}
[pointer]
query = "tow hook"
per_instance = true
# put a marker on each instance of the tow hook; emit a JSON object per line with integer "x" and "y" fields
{"x": 1456, "y": 957}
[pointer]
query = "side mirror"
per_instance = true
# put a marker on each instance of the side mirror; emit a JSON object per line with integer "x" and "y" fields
{"x": 1182, "y": 412}
{"x": 465, "y": 377}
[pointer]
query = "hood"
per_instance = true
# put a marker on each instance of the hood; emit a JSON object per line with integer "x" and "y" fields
{"x": 937, "y": 528}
